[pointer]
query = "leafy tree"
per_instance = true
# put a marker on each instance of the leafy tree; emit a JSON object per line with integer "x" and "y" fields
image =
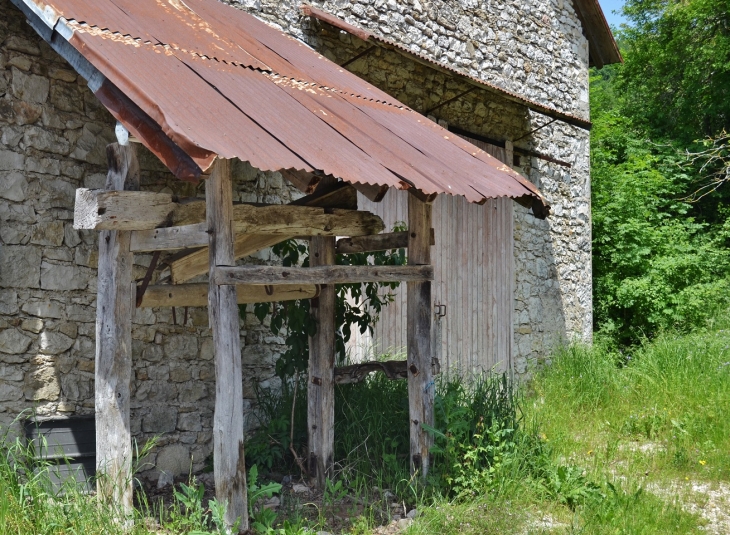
{"x": 676, "y": 79}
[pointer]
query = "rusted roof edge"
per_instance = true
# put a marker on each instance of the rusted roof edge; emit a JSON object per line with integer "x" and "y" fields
{"x": 53, "y": 29}
{"x": 603, "y": 49}
{"x": 370, "y": 37}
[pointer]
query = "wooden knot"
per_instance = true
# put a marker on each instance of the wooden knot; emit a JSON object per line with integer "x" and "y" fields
{"x": 269, "y": 289}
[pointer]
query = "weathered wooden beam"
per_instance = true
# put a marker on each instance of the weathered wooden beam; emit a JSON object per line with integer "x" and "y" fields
{"x": 393, "y": 369}
{"x": 419, "y": 317}
{"x": 376, "y": 242}
{"x": 120, "y": 210}
{"x": 113, "y": 370}
{"x": 321, "y": 369}
{"x": 372, "y": 192}
{"x": 169, "y": 239}
{"x": 318, "y": 274}
{"x": 196, "y": 263}
{"x": 229, "y": 467}
{"x": 355, "y": 373}
{"x": 141, "y": 210}
{"x": 196, "y": 295}
{"x": 270, "y": 220}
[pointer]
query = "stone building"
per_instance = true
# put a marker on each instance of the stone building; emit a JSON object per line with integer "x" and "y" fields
{"x": 512, "y": 73}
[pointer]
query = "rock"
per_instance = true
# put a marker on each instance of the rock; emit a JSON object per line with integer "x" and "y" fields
{"x": 21, "y": 44}
{"x": 8, "y": 301}
{"x": 50, "y": 233}
{"x": 413, "y": 513}
{"x": 26, "y": 113}
{"x": 192, "y": 391}
{"x": 298, "y": 488}
{"x": 62, "y": 277}
{"x": 164, "y": 480}
{"x": 33, "y": 325}
{"x": 45, "y": 140}
{"x": 272, "y": 503}
{"x": 11, "y": 161}
{"x": 404, "y": 523}
{"x": 30, "y": 87}
{"x": 20, "y": 266}
{"x": 173, "y": 459}
{"x": 14, "y": 342}
{"x": 42, "y": 384}
{"x": 13, "y": 186}
{"x": 53, "y": 343}
{"x": 207, "y": 479}
{"x": 10, "y": 392}
{"x": 46, "y": 309}
{"x": 189, "y": 421}
{"x": 161, "y": 419}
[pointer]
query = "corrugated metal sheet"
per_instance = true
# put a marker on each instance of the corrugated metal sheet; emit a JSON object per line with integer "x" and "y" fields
{"x": 366, "y": 35}
{"x": 219, "y": 82}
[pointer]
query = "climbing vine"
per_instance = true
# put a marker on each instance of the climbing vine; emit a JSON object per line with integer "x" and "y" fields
{"x": 357, "y": 305}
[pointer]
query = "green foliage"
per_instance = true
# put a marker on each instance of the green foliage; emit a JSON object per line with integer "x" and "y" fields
{"x": 356, "y": 304}
{"x": 262, "y": 519}
{"x": 677, "y": 66}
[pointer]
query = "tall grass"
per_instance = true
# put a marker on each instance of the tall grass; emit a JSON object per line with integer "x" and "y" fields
{"x": 667, "y": 397}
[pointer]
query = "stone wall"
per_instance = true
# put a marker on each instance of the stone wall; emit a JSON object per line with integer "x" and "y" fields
{"x": 54, "y": 137}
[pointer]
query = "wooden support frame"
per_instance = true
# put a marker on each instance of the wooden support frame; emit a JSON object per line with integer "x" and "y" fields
{"x": 339, "y": 195}
{"x": 318, "y": 274}
{"x": 196, "y": 295}
{"x": 419, "y": 313}
{"x": 320, "y": 385}
{"x": 229, "y": 467}
{"x": 113, "y": 370}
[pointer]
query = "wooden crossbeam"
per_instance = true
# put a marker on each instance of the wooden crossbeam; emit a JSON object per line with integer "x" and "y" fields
{"x": 376, "y": 242}
{"x": 393, "y": 369}
{"x": 196, "y": 295}
{"x": 145, "y": 210}
{"x": 283, "y": 220}
{"x": 270, "y": 275}
{"x": 196, "y": 263}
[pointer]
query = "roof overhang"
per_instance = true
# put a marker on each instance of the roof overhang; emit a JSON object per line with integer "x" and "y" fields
{"x": 198, "y": 80}
{"x": 390, "y": 44}
{"x": 603, "y": 49}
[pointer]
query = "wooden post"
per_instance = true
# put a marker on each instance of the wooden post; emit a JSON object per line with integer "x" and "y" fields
{"x": 419, "y": 309}
{"x": 321, "y": 387}
{"x": 113, "y": 372}
{"x": 229, "y": 467}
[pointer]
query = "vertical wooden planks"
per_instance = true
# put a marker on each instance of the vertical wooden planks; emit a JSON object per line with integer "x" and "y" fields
{"x": 321, "y": 386}
{"x": 229, "y": 466}
{"x": 113, "y": 372}
{"x": 420, "y": 378}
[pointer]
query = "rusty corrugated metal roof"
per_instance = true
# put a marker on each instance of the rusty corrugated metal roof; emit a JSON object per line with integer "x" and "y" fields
{"x": 198, "y": 79}
{"x": 367, "y": 35}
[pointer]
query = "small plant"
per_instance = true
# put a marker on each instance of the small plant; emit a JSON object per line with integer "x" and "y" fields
{"x": 262, "y": 519}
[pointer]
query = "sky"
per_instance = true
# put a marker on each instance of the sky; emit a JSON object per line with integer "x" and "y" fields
{"x": 612, "y": 5}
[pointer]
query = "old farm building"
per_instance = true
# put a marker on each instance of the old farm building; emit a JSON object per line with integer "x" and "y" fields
{"x": 325, "y": 120}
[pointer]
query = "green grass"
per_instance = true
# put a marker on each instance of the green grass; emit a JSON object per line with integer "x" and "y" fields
{"x": 602, "y": 441}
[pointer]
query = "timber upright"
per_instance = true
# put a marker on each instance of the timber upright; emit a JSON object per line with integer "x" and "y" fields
{"x": 113, "y": 369}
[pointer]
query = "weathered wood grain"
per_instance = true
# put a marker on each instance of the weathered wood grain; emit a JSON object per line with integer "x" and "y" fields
{"x": 196, "y": 263}
{"x": 420, "y": 311}
{"x": 229, "y": 465}
{"x": 169, "y": 239}
{"x": 196, "y": 295}
{"x": 376, "y": 242}
{"x": 393, "y": 369}
{"x": 320, "y": 386}
{"x": 113, "y": 370}
{"x": 319, "y": 274}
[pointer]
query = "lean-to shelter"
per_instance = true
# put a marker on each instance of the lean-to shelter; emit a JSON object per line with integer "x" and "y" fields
{"x": 199, "y": 83}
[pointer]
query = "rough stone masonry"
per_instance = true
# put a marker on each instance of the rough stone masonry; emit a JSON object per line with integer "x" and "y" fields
{"x": 53, "y": 140}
